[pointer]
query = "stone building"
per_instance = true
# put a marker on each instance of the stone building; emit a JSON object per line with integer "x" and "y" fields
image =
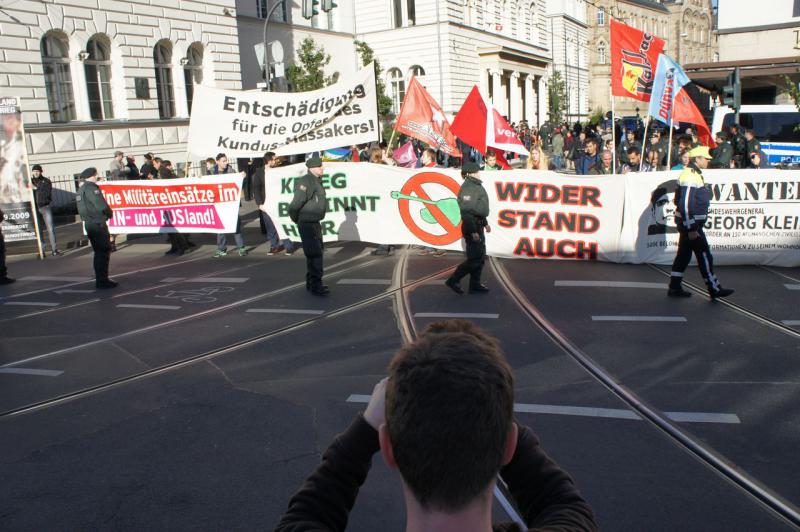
{"x": 569, "y": 31}
{"x": 96, "y": 76}
{"x": 685, "y": 25}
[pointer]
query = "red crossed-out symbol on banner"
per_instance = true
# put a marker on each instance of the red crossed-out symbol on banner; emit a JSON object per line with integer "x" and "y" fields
{"x": 413, "y": 187}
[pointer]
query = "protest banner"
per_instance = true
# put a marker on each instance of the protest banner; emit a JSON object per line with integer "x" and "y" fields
{"x": 249, "y": 123}
{"x": 16, "y": 195}
{"x": 754, "y": 217}
{"x": 533, "y": 214}
{"x": 187, "y": 205}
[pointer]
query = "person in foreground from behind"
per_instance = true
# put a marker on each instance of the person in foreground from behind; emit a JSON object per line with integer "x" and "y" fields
{"x": 444, "y": 420}
{"x": 692, "y": 200}
{"x": 95, "y": 212}
{"x": 473, "y": 202}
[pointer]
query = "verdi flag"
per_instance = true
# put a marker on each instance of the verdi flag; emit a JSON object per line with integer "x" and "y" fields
{"x": 633, "y": 57}
{"x": 685, "y": 110}
{"x": 475, "y": 126}
{"x": 422, "y": 118}
{"x": 669, "y": 80}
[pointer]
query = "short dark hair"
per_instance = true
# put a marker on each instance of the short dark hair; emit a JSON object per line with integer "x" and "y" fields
{"x": 148, "y": 156}
{"x": 159, "y": 160}
{"x": 722, "y": 135}
{"x": 167, "y": 163}
{"x": 210, "y": 160}
{"x": 269, "y": 156}
{"x": 491, "y": 153}
{"x": 431, "y": 153}
{"x": 633, "y": 150}
{"x": 449, "y": 408}
{"x": 221, "y": 155}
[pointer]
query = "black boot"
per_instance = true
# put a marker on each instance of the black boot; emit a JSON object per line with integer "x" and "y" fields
{"x": 678, "y": 292}
{"x": 720, "y": 292}
{"x": 479, "y": 288}
{"x": 453, "y": 285}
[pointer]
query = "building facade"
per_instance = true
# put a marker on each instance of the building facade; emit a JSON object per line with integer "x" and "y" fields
{"x": 692, "y": 31}
{"x": 502, "y": 46}
{"x": 569, "y": 32}
{"x": 96, "y": 76}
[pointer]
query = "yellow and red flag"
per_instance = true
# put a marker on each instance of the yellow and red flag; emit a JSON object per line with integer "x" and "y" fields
{"x": 634, "y": 57}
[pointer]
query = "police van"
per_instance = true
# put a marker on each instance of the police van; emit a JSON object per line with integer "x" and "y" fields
{"x": 775, "y": 126}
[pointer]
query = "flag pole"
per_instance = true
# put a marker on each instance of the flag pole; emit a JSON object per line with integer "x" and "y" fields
{"x": 669, "y": 145}
{"x": 391, "y": 139}
{"x": 613, "y": 137}
{"x": 644, "y": 143}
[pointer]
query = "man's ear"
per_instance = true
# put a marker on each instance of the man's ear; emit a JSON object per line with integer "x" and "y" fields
{"x": 511, "y": 443}
{"x": 386, "y": 446}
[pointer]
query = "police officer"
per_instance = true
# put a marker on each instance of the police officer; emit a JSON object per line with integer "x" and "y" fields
{"x": 307, "y": 208}
{"x": 4, "y": 278}
{"x": 739, "y": 145}
{"x": 474, "y": 204}
{"x": 692, "y": 200}
{"x": 723, "y": 153}
{"x": 95, "y": 212}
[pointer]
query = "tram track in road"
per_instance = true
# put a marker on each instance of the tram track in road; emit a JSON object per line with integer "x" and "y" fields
{"x": 728, "y": 470}
{"x": 189, "y": 317}
{"x": 232, "y": 347}
{"x": 740, "y": 309}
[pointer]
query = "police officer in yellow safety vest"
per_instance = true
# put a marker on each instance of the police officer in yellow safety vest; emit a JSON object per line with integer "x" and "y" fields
{"x": 474, "y": 205}
{"x": 692, "y": 200}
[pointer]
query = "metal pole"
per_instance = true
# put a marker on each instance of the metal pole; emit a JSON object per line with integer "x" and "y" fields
{"x": 644, "y": 143}
{"x": 266, "y": 53}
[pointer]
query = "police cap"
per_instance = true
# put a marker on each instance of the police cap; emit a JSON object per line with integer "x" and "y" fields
{"x": 89, "y": 172}
{"x": 470, "y": 168}
{"x": 314, "y": 162}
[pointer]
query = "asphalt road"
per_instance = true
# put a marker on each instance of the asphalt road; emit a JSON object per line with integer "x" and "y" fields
{"x": 201, "y": 392}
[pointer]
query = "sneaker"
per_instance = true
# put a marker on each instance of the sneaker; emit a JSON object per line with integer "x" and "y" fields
{"x": 57, "y": 253}
{"x": 722, "y": 292}
{"x": 108, "y": 283}
{"x": 242, "y": 251}
{"x": 678, "y": 292}
{"x": 453, "y": 285}
{"x": 221, "y": 253}
{"x": 7, "y": 280}
{"x": 289, "y": 251}
{"x": 274, "y": 251}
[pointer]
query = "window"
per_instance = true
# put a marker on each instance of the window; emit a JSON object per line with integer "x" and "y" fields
{"x": 532, "y": 22}
{"x": 397, "y": 13}
{"x": 601, "y": 17}
{"x": 770, "y": 126}
{"x": 162, "y": 56}
{"x": 601, "y": 54}
{"x": 416, "y": 71}
{"x": 57, "y": 77}
{"x": 280, "y": 13}
{"x": 398, "y": 88}
{"x": 411, "y": 12}
{"x": 193, "y": 71}
{"x": 404, "y": 13}
{"x": 98, "y": 78}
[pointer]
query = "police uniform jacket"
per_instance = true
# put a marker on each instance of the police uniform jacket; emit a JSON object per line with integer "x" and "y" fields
{"x": 92, "y": 205}
{"x": 309, "y": 203}
{"x": 474, "y": 204}
{"x": 753, "y": 146}
{"x": 723, "y": 155}
{"x": 692, "y": 199}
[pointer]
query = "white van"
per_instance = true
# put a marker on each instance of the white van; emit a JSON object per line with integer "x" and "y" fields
{"x": 775, "y": 126}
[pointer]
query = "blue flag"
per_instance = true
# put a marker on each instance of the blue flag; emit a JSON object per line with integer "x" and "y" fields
{"x": 669, "y": 79}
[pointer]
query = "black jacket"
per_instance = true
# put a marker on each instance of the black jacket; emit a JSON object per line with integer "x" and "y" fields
{"x": 258, "y": 186}
{"x": 92, "y": 205}
{"x": 544, "y": 493}
{"x": 309, "y": 203}
{"x": 44, "y": 191}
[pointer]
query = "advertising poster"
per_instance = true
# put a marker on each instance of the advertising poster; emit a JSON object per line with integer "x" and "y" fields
{"x": 15, "y": 185}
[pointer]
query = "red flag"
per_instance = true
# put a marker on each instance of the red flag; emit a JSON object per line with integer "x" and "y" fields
{"x": 634, "y": 56}
{"x": 422, "y": 118}
{"x": 684, "y": 110}
{"x": 354, "y": 157}
{"x": 500, "y": 135}
{"x": 474, "y": 127}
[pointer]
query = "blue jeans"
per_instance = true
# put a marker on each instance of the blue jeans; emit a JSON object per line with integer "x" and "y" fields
{"x": 272, "y": 233}
{"x": 557, "y": 162}
{"x": 47, "y": 216}
{"x": 222, "y": 238}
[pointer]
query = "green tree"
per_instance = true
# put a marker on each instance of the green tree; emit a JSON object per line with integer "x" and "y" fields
{"x": 597, "y": 117}
{"x": 385, "y": 114}
{"x": 557, "y": 92}
{"x": 308, "y": 71}
{"x": 793, "y": 89}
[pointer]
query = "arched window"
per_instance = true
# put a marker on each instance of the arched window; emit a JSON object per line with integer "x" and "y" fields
{"x": 98, "y": 78}
{"x": 601, "y": 53}
{"x": 57, "y": 77}
{"x": 193, "y": 71}
{"x": 162, "y": 56}
{"x": 398, "y": 88}
{"x": 601, "y": 17}
{"x": 532, "y": 22}
{"x": 416, "y": 71}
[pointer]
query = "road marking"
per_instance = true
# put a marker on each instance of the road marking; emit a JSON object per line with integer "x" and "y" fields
{"x": 30, "y": 371}
{"x": 638, "y": 318}
{"x": 792, "y": 286}
{"x": 365, "y": 281}
{"x": 464, "y": 315}
{"x": 791, "y": 322}
{"x": 206, "y": 280}
{"x": 285, "y": 311}
{"x": 155, "y": 307}
{"x": 610, "y": 284}
{"x": 612, "y": 413}
{"x": 32, "y": 303}
{"x": 46, "y": 278}
{"x": 74, "y": 291}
